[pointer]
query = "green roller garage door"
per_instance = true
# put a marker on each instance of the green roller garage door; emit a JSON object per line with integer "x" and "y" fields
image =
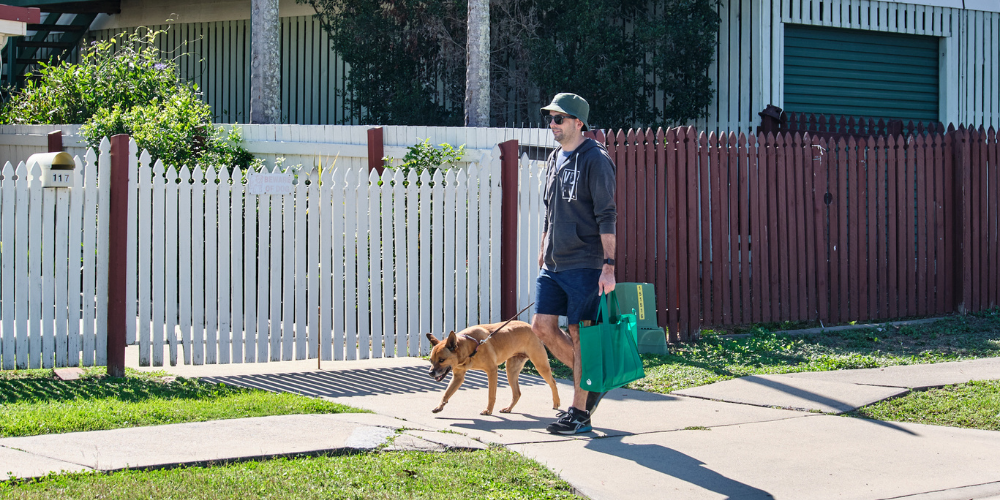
{"x": 861, "y": 73}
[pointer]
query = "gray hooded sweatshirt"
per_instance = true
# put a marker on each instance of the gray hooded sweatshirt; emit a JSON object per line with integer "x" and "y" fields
{"x": 579, "y": 207}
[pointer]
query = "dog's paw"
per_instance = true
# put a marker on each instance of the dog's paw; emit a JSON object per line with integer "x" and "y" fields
{"x": 486, "y": 412}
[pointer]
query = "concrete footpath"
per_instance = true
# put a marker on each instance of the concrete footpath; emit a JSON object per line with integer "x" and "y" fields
{"x": 775, "y": 436}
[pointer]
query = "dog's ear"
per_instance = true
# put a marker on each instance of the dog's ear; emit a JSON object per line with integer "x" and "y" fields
{"x": 452, "y": 341}
{"x": 433, "y": 339}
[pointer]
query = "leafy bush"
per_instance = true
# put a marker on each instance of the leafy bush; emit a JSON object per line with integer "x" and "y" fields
{"x": 422, "y": 156}
{"x": 125, "y": 86}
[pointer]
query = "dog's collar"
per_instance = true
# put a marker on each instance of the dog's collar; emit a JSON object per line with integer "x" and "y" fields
{"x": 478, "y": 343}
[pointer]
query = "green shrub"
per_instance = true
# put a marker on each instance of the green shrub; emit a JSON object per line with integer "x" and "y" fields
{"x": 423, "y": 156}
{"x": 124, "y": 85}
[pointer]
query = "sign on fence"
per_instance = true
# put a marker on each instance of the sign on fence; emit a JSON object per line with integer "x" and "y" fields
{"x": 265, "y": 183}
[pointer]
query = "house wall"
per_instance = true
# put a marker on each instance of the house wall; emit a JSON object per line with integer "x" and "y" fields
{"x": 749, "y": 70}
{"x": 147, "y": 12}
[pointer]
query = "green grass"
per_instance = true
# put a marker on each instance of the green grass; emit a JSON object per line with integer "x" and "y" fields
{"x": 489, "y": 474}
{"x": 34, "y": 402}
{"x": 716, "y": 357}
{"x": 975, "y": 405}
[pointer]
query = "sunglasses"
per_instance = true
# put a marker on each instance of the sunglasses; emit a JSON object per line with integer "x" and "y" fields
{"x": 559, "y": 119}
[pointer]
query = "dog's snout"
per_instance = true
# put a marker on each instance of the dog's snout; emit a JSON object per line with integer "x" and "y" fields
{"x": 439, "y": 372}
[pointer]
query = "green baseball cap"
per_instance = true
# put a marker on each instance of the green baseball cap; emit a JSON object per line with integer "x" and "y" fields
{"x": 571, "y": 104}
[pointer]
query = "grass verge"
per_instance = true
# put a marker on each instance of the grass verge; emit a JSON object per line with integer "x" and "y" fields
{"x": 493, "y": 473}
{"x": 717, "y": 357}
{"x": 34, "y": 402}
{"x": 975, "y": 405}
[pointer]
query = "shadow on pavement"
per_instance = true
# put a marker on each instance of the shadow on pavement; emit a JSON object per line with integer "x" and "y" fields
{"x": 500, "y": 422}
{"x": 367, "y": 382}
{"x": 802, "y": 393}
{"x": 812, "y": 396}
{"x": 676, "y": 464}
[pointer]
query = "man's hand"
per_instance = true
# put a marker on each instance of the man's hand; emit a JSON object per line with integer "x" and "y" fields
{"x": 606, "y": 283}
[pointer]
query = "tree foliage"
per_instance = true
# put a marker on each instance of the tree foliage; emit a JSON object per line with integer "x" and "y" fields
{"x": 401, "y": 54}
{"x": 125, "y": 86}
{"x": 408, "y": 61}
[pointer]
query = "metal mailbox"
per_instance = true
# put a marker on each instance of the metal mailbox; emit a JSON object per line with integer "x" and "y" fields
{"x": 57, "y": 169}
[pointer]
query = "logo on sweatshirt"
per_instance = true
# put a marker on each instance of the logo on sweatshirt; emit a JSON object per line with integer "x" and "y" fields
{"x": 568, "y": 180}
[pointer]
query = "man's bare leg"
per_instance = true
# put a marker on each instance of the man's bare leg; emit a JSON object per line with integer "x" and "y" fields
{"x": 566, "y": 348}
{"x": 546, "y": 328}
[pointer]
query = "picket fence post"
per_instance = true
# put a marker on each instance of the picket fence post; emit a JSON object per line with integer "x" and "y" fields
{"x": 376, "y": 150}
{"x": 118, "y": 255}
{"x": 508, "y": 228}
{"x": 963, "y": 218}
{"x": 55, "y": 141}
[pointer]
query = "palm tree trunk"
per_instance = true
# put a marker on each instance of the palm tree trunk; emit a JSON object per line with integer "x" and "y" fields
{"x": 265, "y": 65}
{"x": 477, "y": 75}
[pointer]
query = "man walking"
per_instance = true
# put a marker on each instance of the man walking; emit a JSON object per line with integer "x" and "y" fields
{"x": 578, "y": 246}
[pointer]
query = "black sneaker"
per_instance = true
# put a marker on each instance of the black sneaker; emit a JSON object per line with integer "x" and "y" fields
{"x": 594, "y": 399}
{"x": 572, "y": 421}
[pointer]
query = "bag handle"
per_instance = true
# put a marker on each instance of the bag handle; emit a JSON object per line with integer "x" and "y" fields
{"x": 605, "y": 309}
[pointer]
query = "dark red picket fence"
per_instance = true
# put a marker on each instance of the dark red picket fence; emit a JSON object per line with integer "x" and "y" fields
{"x": 744, "y": 229}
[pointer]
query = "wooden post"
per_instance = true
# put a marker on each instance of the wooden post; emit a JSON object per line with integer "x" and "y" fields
{"x": 895, "y": 127}
{"x": 376, "y": 150}
{"x": 963, "y": 258}
{"x": 770, "y": 120}
{"x": 55, "y": 141}
{"x": 508, "y": 229}
{"x": 118, "y": 254}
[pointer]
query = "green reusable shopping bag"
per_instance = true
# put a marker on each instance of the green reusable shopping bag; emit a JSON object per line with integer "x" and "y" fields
{"x": 608, "y": 351}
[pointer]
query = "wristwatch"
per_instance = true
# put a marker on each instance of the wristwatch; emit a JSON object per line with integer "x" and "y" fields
{"x": 609, "y": 262}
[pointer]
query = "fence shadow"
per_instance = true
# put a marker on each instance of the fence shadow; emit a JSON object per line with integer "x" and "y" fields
{"x": 366, "y": 382}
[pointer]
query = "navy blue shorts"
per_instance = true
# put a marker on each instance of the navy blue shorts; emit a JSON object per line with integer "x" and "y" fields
{"x": 572, "y": 293}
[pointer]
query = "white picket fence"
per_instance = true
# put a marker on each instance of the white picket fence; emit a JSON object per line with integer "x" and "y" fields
{"x": 355, "y": 266}
{"x": 53, "y": 267}
{"x": 358, "y": 266}
{"x": 347, "y": 265}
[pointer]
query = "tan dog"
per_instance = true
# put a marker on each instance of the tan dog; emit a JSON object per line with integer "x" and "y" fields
{"x": 466, "y": 350}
